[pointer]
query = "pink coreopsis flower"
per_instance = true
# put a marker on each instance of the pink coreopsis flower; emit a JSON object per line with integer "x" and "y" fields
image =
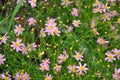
{"x": 4, "y": 38}
{"x": 22, "y": 76}
{"x": 62, "y": 58}
{"x": 116, "y": 52}
{"x": 95, "y": 31}
{"x": 26, "y": 76}
{"x": 50, "y": 20}
{"x": 78, "y": 56}
{"x": 56, "y": 32}
{"x": 24, "y": 50}
{"x": 42, "y": 33}
{"x": 57, "y": 68}
{"x": 74, "y": 12}
{"x": 48, "y": 77}
{"x": 32, "y": 21}
{"x": 44, "y": 67}
{"x": 17, "y": 45}
{"x": 71, "y": 68}
{"x": 106, "y": 16}
{"x": 101, "y": 41}
{"x": 97, "y": 3}
{"x": 5, "y": 76}
{"x": 18, "y": 29}
{"x": 116, "y": 75}
{"x": 32, "y": 46}
{"x": 81, "y": 69}
{"x": 106, "y": 7}
{"x": 46, "y": 61}
{"x": 113, "y": 13}
{"x": 2, "y": 59}
{"x": 65, "y": 2}
{"x": 93, "y": 24}
{"x": 69, "y": 28}
{"x": 33, "y": 3}
{"x": 95, "y": 10}
{"x": 110, "y": 57}
{"x": 76, "y": 23}
{"x": 50, "y": 28}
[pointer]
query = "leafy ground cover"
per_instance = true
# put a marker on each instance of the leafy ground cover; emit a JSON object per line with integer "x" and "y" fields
{"x": 59, "y": 40}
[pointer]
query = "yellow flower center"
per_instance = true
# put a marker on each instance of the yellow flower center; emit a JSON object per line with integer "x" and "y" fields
{"x": 82, "y": 68}
{"x": 19, "y": 28}
{"x": 110, "y": 57}
{"x": 6, "y": 78}
{"x": 51, "y": 27}
{"x": 64, "y": 58}
{"x": 3, "y": 38}
{"x": 47, "y": 78}
{"x": 16, "y": 44}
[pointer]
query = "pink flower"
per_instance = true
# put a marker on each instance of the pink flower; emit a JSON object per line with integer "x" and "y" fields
{"x": 95, "y": 31}
{"x": 32, "y": 3}
{"x": 51, "y": 27}
{"x": 65, "y": 2}
{"x": 71, "y": 69}
{"x": 76, "y": 23}
{"x": 32, "y": 46}
{"x": 106, "y": 16}
{"x": 5, "y": 76}
{"x": 110, "y": 57}
{"x": 17, "y": 45}
{"x": 114, "y": 13}
{"x": 50, "y": 20}
{"x": 42, "y": 33}
{"x": 101, "y": 41}
{"x": 81, "y": 69}
{"x": 2, "y": 59}
{"x": 22, "y": 76}
{"x": 97, "y": 3}
{"x": 57, "y": 67}
{"x": 48, "y": 77}
{"x": 24, "y": 50}
{"x": 93, "y": 24}
{"x": 74, "y": 12}
{"x": 69, "y": 28}
{"x": 95, "y": 10}
{"x": 57, "y": 32}
{"x": 116, "y": 52}
{"x": 4, "y": 38}
{"x": 18, "y": 29}
{"x": 106, "y": 7}
{"x": 32, "y": 21}
{"x": 116, "y": 75}
{"x": 46, "y": 61}
{"x": 62, "y": 58}
{"x": 78, "y": 56}
{"x": 44, "y": 67}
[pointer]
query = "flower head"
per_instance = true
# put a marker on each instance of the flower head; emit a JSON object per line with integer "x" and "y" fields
{"x": 32, "y": 21}
{"x": 110, "y": 57}
{"x": 17, "y": 45}
{"x": 65, "y": 2}
{"x": 78, "y": 56}
{"x": 57, "y": 67}
{"x": 2, "y": 59}
{"x": 76, "y": 23}
{"x": 4, "y": 38}
{"x": 71, "y": 68}
{"x": 18, "y": 29}
{"x": 81, "y": 69}
{"x": 74, "y": 12}
{"x": 48, "y": 77}
{"x": 33, "y": 3}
